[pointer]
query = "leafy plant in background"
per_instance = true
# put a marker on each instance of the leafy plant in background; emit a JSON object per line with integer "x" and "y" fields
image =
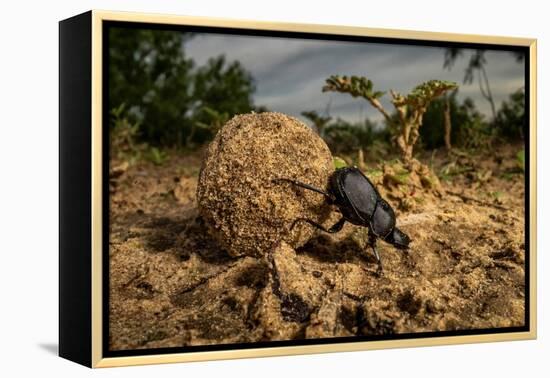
{"x": 212, "y": 121}
{"x": 510, "y": 119}
{"x": 469, "y": 127}
{"x": 477, "y": 64}
{"x": 149, "y": 72}
{"x": 124, "y": 144}
{"x": 520, "y": 158}
{"x": 339, "y": 162}
{"x": 473, "y": 131}
{"x": 165, "y": 92}
{"x": 156, "y": 156}
{"x": 123, "y": 136}
{"x": 344, "y": 137}
{"x": 221, "y": 90}
{"x": 410, "y": 108}
{"x": 432, "y": 132}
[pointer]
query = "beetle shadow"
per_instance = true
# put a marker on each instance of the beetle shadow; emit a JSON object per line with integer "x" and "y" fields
{"x": 326, "y": 249}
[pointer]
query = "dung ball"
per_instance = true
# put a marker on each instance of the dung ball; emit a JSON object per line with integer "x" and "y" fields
{"x": 240, "y": 199}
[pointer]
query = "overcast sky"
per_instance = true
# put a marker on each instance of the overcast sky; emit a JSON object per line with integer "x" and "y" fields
{"x": 289, "y": 73}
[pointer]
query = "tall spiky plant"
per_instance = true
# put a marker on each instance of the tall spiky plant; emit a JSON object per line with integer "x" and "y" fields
{"x": 410, "y": 108}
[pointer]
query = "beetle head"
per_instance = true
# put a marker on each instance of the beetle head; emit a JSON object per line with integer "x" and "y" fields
{"x": 398, "y": 239}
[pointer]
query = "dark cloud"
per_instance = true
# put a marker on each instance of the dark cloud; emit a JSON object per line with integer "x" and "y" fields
{"x": 289, "y": 73}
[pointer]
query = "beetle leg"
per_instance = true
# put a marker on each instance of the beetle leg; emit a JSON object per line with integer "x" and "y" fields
{"x": 333, "y": 229}
{"x": 377, "y": 255}
{"x": 274, "y": 273}
{"x": 329, "y": 197}
{"x": 372, "y": 243}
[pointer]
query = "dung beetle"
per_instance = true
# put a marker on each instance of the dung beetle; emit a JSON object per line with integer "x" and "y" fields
{"x": 359, "y": 203}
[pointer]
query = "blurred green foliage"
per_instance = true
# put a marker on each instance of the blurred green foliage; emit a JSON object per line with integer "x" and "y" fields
{"x": 124, "y": 143}
{"x": 221, "y": 90}
{"x": 477, "y": 64}
{"x": 123, "y": 136}
{"x": 165, "y": 93}
{"x": 470, "y": 129}
{"x": 207, "y": 124}
{"x": 156, "y": 156}
{"x": 339, "y": 162}
{"x": 344, "y": 137}
{"x": 520, "y": 158}
{"x": 510, "y": 121}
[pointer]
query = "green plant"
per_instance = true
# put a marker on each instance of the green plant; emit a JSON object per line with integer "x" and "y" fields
{"x": 165, "y": 91}
{"x": 469, "y": 127}
{"x": 473, "y": 131}
{"x": 123, "y": 137}
{"x": 520, "y": 159}
{"x": 510, "y": 119}
{"x": 124, "y": 143}
{"x": 221, "y": 90}
{"x": 343, "y": 137}
{"x": 410, "y": 108}
{"x": 156, "y": 156}
{"x": 339, "y": 162}
{"x": 211, "y": 122}
{"x": 477, "y": 63}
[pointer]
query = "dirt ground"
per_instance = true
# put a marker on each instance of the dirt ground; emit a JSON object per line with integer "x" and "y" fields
{"x": 171, "y": 285}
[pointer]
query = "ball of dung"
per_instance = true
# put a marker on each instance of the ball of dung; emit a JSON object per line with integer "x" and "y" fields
{"x": 244, "y": 205}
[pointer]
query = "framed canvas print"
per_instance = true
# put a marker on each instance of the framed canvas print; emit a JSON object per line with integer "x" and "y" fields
{"x": 234, "y": 189}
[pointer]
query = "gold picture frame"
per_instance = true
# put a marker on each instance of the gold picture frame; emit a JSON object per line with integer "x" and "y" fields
{"x": 82, "y": 258}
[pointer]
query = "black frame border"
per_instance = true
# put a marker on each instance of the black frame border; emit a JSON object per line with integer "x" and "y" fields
{"x": 75, "y": 183}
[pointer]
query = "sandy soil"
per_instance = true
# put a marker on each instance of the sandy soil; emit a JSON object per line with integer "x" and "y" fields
{"x": 172, "y": 285}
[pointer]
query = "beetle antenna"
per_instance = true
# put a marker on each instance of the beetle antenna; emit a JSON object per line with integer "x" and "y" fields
{"x": 305, "y": 186}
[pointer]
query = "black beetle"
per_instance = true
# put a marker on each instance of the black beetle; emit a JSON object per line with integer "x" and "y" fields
{"x": 359, "y": 203}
